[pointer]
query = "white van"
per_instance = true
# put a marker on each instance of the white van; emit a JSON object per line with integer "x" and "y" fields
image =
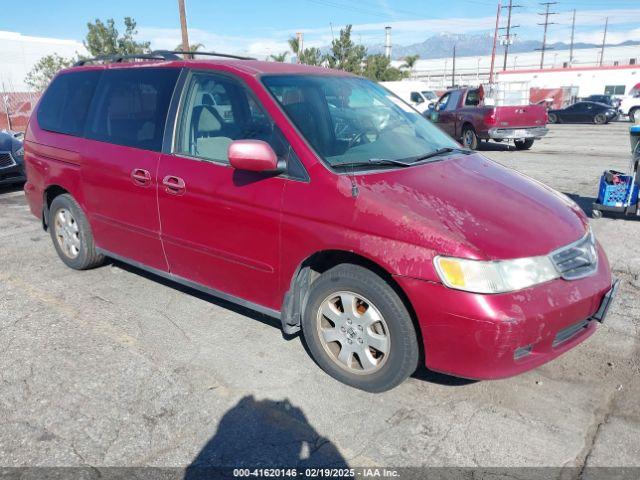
{"x": 413, "y": 92}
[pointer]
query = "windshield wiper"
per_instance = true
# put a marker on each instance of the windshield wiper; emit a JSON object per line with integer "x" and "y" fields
{"x": 374, "y": 162}
{"x": 439, "y": 152}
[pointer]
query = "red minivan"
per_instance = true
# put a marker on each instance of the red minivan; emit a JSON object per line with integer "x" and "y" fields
{"x": 321, "y": 199}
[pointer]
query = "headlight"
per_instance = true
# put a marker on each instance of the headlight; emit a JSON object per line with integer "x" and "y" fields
{"x": 20, "y": 152}
{"x": 494, "y": 277}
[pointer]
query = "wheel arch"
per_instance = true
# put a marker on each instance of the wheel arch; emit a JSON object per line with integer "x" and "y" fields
{"x": 49, "y": 194}
{"x": 319, "y": 262}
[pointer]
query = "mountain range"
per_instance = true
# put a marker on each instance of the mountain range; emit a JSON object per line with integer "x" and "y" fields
{"x": 470, "y": 45}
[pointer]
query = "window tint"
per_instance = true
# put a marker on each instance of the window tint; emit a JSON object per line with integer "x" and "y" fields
{"x": 206, "y": 129}
{"x": 473, "y": 98}
{"x": 416, "y": 97}
{"x": 130, "y": 107}
{"x": 64, "y": 106}
{"x": 454, "y": 98}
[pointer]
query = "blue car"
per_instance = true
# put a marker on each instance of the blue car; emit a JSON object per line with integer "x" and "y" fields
{"x": 11, "y": 158}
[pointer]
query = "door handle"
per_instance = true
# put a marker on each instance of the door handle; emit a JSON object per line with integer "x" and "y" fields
{"x": 141, "y": 177}
{"x": 174, "y": 185}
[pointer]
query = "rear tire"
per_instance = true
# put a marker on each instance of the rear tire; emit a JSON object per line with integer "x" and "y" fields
{"x": 634, "y": 115}
{"x": 596, "y": 214}
{"x": 71, "y": 234}
{"x": 553, "y": 118}
{"x": 358, "y": 330}
{"x": 524, "y": 144}
{"x": 600, "y": 119}
{"x": 469, "y": 138}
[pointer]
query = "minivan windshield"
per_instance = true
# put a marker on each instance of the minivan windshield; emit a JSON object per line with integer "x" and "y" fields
{"x": 352, "y": 121}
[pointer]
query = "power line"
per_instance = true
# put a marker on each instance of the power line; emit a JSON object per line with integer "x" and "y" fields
{"x": 546, "y": 24}
{"x": 507, "y": 37}
{"x": 573, "y": 32}
{"x": 604, "y": 40}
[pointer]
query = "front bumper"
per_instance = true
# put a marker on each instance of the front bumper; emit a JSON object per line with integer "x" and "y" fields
{"x": 496, "y": 336}
{"x": 517, "y": 133}
{"x": 13, "y": 172}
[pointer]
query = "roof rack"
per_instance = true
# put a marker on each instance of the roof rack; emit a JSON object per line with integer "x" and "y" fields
{"x": 210, "y": 54}
{"x": 157, "y": 55}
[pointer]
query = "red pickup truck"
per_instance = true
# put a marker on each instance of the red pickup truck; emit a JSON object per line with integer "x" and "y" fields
{"x": 467, "y": 115}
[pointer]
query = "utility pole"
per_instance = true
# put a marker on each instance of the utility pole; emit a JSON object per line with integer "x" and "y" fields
{"x": 546, "y": 24}
{"x": 183, "y": 27}
{"x": 495, "y": 41}
{"x": 453, "y": 72}
{"x": 604, "y": 40}
{"x": 507, "y": 37}
{"x": 573, "y": 31}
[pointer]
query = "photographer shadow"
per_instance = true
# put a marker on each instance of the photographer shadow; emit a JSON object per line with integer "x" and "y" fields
{"x": 263, "y": 434}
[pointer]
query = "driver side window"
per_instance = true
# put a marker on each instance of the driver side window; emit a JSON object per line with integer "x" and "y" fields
{"x": 218, "y": 110}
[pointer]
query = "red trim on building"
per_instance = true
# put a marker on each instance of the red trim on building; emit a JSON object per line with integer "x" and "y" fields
{"x": 571, "y": 69}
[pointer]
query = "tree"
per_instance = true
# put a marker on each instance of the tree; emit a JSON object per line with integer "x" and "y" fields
{"x": 345, "y": 54}
{"x": 279, "y": 57}
{"x": 410, "y": 61}
{"x": 42, "y": 72}
{"x": 311, "y": 56}
{"x": 378, "y": 67}
{"x": 104, "y": 38}
{"x": 194, "y": 47}
{"x": 294, "y": 45}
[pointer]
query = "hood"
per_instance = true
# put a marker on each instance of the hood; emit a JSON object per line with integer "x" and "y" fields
{"x": 470, "y": 207}
{"x": 8, "y": 143}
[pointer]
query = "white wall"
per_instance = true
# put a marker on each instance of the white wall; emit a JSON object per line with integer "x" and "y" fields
{"x": 470, "y": 70}
{"x": 19, "y": 53}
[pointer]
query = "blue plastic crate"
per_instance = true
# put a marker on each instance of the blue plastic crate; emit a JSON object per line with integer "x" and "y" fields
{"x": 616, "y": 195}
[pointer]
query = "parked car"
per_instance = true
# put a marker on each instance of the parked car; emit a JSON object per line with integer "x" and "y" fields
{"x": 584, "y": 112}
{"x": 463, "y": 114}
{"x": 11, "y": 158}
{"x": 604, "y": 99}
{"x": 415, "y": 93}
{"x": 385, "y": 244}
{"x": 630, "y": 106}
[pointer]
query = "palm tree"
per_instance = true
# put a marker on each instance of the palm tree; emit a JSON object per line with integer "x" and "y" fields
{"x": 279, "y": 57}
{"x": 294, "y": 45}
{"x": 195, "y": 47}
{"x": 410, "y": 62}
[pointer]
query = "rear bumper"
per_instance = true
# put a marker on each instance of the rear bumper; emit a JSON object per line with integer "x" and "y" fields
{"x": 517, "y": 133}
{"x": 497, "y": 336}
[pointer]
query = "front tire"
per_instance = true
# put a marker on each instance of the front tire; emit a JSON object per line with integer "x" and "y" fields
{"x": 71, "y": 234}
{"x": 553, "y": 118}
{"x": 634, "y": 115}
{"x": 358, "y": 330}
{"x": 523, "y": 144}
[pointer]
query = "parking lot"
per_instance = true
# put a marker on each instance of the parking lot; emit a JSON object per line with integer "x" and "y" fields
{"x": 115, "y": 367}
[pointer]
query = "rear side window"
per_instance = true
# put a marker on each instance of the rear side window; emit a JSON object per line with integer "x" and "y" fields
{"x": 130, "y": 107}
{"x": 65, "y": 104}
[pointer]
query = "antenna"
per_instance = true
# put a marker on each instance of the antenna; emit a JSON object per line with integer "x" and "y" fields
{"x": 546, "y": 25}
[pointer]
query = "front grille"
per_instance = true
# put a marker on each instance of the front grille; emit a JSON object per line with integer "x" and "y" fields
{"x": 577, "y": 260}
{"x": 6, "y": 160}
{"x": 570, "y": 332}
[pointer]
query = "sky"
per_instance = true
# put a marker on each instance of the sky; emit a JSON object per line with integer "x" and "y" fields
{"x": 262, "y": 27}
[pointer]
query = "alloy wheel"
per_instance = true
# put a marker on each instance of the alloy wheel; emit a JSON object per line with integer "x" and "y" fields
{"x": 67, "y": 233}
{"x": 353, "y": 332}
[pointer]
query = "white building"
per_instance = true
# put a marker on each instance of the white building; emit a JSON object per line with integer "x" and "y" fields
{"x": 19, "y": 53}
{"x": 474, "y": 70}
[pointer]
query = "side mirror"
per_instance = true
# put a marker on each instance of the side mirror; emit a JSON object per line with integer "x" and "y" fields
{"x": 253, "y": 156}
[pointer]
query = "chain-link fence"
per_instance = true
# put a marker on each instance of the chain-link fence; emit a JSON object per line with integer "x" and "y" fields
{"x": 15, "y": 109}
